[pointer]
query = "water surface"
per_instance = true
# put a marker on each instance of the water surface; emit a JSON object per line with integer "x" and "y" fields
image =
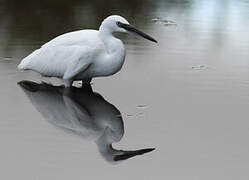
{"x": 187, "y": 96}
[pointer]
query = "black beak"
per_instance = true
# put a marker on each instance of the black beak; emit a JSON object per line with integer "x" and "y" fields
{"x": 133, "y": 29}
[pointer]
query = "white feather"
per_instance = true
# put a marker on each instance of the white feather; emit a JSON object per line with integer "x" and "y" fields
{"x": 80, "y": 55}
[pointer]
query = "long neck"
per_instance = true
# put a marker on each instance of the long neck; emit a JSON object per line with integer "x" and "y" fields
{"x": 111, "y": 43}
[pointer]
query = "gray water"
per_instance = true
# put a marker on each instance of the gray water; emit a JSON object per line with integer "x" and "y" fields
{"x": 187, "y": 96}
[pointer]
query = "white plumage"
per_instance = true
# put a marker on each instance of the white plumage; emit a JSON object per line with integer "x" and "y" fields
{"x": 84, "y": 54}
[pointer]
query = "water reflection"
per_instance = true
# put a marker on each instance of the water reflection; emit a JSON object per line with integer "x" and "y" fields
{"x": 26, "y": 22}
{"x": 205, "y": 26}
{"x": 82, "y": 112}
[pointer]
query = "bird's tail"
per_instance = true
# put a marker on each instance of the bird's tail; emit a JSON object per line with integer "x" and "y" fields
{"x": 23, "y": 64}
{"x": 26, "y": 61}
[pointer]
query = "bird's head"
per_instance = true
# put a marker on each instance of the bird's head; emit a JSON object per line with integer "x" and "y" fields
{"x": 117, "y": 23}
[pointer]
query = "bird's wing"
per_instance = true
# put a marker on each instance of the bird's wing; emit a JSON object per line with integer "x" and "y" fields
{"x": 64, "y": 56}
{"x": 81, "y": 37}
{"x": 61, "y": 61}
{"x": 80, "y": 64}
{"x": 81, "y": 118}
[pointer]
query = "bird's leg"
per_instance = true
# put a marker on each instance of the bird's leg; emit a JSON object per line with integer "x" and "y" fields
{"x": 86, "y": 83}
{"x": 68, "y": 82}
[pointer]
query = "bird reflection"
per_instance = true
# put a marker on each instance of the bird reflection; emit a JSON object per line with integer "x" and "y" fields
{"x": 83, "y": 112}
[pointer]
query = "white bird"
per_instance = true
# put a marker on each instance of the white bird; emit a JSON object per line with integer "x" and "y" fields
{"x": 83, "y": 54}
{"x": 82, "y": 112}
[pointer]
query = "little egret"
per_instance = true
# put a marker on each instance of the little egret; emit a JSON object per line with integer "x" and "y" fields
{"x": 83, "y": 54}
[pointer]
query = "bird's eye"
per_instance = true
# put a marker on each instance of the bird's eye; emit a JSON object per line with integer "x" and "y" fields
{"x": 118, "y": 23}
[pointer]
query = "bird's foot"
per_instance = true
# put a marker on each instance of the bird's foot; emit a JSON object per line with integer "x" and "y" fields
{"x": 86, "y": 84}
{"x": 68, "y": 83}
{"x": 87, "y": 81}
